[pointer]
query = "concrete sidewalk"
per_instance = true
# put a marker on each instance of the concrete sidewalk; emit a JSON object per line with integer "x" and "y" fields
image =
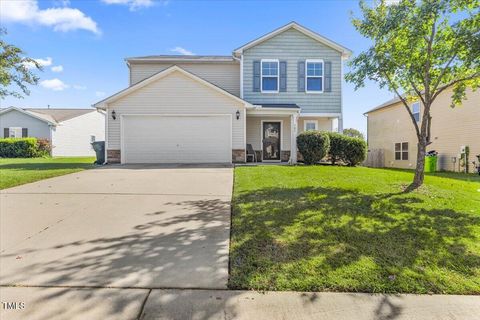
{"x": 145, "y": 304}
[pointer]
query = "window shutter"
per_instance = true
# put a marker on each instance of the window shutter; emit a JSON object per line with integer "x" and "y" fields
{"x": 301, "y": 76}
{"x": 283, "y": 76}
{"x": 328, "y": 76}
{"x": 6, "y": 132}
{"x": 256, "y": 76}
{"x": 24, "y": 132}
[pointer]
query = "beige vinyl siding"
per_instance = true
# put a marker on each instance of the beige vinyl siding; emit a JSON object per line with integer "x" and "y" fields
{"x": 175, "y": 94}
{"x": 324, "y": 124}
{"x": 293, "y": 46}
{"x": 451, "y": 129}
{"x": 222, "y": 74}
{"x": 254, "y": 131}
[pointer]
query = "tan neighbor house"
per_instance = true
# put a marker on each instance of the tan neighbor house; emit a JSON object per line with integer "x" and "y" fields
{"x": 391, "y": 135}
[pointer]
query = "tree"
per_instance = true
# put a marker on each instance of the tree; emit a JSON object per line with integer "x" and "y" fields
{"x": 354, "y": 133}
{"x": 15, "y": 69}
{"x": 420, "y": 49}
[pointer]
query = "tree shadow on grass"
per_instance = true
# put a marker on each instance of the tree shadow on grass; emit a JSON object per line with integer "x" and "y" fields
{"x": 45, "y": 166}
{"x": 315, "y": 238}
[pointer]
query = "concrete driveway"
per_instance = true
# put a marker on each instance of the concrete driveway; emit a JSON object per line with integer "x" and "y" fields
{"x": 119, "y": 227}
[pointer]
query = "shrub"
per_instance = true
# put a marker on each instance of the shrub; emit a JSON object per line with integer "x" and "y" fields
{"x": 18, "y": 147}
{"x": 337, "y": 146}
{"x": 355, "y": 151}
{"x": 44, "y": 147}
{"x": 313, "y": 145}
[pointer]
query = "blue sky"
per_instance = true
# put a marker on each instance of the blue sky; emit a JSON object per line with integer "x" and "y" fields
{"x": 90, "y": 39}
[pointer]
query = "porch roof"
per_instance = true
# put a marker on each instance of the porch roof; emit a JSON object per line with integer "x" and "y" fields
{"x": 281, "y": 105}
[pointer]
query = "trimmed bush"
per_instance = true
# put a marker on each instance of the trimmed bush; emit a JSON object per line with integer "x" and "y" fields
{"x": 23, "y": 148}
{"x": 337, "y": 146}
{"x": 355, "y": 151}
{"x": 313, "y": 145}
{"x": 348, "y": 150}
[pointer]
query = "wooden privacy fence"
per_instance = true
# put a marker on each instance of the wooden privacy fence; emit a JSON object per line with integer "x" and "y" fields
{"x": 375, "y": 158}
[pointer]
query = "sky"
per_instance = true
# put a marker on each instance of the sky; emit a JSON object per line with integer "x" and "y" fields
{"x": 82, "y": 44}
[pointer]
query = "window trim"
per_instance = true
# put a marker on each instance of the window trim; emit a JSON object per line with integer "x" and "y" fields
{"x": 419, "y": 110}
{"x": 305, "y": 122}
{"x": 261, "y": 75}
{"x": 17, "y": 129}
{"x": 307, "y": 76}
{"x": 401, "y": 151}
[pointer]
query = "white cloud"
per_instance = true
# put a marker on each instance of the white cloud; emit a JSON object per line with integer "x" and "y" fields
{"x": 392, "y": 2}
{"x": 134, "y": 4}
{"x": 54, "y": 84}
{"x": 79, "y": 87}
{"x": 57, "y": 68}
{"x": 42, "y": 62}
{"x": 60, "y": 19}
{"x": 183, "y": 51}
{"x": 100, "y": 93}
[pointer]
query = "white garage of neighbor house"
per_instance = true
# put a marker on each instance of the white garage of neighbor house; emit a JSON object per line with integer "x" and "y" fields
{"x": 70, "y": 131}
{"x": 175, "y": 116}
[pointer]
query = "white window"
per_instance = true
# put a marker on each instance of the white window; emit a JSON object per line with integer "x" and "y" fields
{"x": 314, "y": 76}
{"x": 15, "y": 132}
{"x": 416, "y": 111}
{"x": 401, "y": 151}
{"x": 269, "y": 75}
{"x": 310, "y": 125}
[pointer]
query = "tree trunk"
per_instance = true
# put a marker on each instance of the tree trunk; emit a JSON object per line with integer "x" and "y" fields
{"x": 420, "y": 168}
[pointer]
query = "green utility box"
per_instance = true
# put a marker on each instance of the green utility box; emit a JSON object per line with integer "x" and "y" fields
{"x": 431, "y": 163}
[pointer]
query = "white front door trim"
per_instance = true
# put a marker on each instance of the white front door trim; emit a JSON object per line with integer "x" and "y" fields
{"x": 281, "y": 138}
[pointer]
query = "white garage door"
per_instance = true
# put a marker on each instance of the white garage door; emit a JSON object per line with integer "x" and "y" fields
{"x": 176, "y": 139}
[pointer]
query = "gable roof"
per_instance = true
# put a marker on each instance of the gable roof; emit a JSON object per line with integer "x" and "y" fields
{"x": 60, "y": 114}
{"x": 161, "y": 74}
{"x": 384, "y": 105}
{"x": 309, "y": 33}
{"x": 52, "y": 116}
{"x": 181, "y": 58}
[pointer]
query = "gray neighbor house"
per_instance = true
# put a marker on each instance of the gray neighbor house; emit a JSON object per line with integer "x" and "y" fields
{"x": 208, "y": 109}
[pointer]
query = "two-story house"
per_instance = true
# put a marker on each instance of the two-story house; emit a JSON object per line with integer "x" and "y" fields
{"x": 201, "y": 109}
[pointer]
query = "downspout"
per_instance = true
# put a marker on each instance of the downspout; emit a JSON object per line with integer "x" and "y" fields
{"x": 241, "y": 73}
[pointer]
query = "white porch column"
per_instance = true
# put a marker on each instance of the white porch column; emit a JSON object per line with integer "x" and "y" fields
{"x": 293, "y": 138}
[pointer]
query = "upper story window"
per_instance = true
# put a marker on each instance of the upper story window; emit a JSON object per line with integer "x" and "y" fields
{"x": 314, "y": 75}
{"x": 416, "y": 111}
{"x": 269, "y": 75}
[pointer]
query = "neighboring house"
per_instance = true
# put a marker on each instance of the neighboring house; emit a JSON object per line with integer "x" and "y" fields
{"x": 70, "y": 131}
{"x": 392, "y": 141}
{"x": 181, "y": 109}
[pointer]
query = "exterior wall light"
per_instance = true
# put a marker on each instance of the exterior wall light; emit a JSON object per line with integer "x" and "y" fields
{"x": 238, "y": 114}
{"x": 114, "y": 115}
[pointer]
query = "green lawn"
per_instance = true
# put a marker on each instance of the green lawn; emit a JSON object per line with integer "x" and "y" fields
{"x": 14, "y": 172}
{"x": 323, "y": 228}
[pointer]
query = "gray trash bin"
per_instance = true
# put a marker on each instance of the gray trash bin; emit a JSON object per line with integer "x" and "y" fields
{"x": 99, "y": 147}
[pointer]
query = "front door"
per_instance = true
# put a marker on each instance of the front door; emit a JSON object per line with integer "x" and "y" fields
{"x": 271, "y": 140}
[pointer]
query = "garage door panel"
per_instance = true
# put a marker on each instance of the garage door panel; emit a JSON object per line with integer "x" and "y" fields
{"x": 176, "y": 139}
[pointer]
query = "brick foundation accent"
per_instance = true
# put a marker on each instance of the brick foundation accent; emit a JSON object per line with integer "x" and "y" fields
{"x": 113, "y": 156}
{"x": 238, "y": 155}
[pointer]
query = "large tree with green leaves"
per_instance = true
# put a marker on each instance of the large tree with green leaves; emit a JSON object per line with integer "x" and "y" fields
{"x": 420, "y": 48}
{"x": 15, "y": 70}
